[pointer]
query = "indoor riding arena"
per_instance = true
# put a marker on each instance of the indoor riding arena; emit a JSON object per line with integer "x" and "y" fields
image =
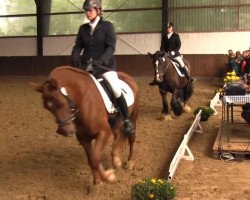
{"x": 201, "y": 159}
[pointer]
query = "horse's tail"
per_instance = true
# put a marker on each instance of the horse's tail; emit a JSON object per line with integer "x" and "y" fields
{"x": 188, "y": 91}
{"x": 176, "y": 107}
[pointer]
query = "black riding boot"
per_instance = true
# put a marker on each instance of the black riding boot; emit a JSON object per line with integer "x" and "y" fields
{"x": 153, "y": 82}
{"x": 122, "y": 104}
{"x": 185, "y": 72}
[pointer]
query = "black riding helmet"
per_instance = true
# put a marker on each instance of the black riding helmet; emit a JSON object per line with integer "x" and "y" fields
{"x": 170, "y": 24}
{"x": 90, "y": 4}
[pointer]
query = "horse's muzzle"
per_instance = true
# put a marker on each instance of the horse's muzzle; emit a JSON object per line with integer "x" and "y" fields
{"x": 159, "y": 78}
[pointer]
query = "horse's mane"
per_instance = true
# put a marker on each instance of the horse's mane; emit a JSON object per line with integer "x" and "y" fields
{"x": 69, "y": 68}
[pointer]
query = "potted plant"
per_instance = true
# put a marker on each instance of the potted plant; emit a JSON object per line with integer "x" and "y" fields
{"x": 152, "y": 188}
{"x": 206, "y": 112}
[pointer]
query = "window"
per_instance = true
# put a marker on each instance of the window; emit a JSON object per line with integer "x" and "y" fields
{"x": 128, "y": 16}
{"x": 18, "y": 18}
{"x": 210, "y": 15}
{"x": 63, "y": 17}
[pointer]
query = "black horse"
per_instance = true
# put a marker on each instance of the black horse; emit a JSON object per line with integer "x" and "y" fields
{"x": 169, "y": 80}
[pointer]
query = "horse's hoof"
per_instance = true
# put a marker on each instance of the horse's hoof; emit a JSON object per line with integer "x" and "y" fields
{"x": 187, "y": 109}
{"x": 161, "y": 117}
{"x": 110, "y": 174}
{"x": 168, "y": 118}
{"x": 117, "y": 162}
{"x": 130, "y": 165}
{"x": 164, "y": 117}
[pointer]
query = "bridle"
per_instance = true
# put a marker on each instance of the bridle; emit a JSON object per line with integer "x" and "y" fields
{"x": 70, "y": 119}
{"x": 159, "y": 64}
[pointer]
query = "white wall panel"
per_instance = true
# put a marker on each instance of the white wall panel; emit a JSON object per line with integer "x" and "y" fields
{"x": 133, "y": 44}
{"x": 137, "y": 43}
{"x": 57, "y": 46}
{"x": 214, "y": 43}
{"x": 18, "y": 47}
{"x": 192, "y": 43}
{"x": 127, "y": 44}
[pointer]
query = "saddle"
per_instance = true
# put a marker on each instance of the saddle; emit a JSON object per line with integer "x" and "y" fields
{"x": 108, "y": 96}
{"x": 176, "y": 65}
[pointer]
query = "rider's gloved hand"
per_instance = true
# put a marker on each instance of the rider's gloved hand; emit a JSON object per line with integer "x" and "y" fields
{"x": 97, "y": 63}
{"x": 172, "y": 53}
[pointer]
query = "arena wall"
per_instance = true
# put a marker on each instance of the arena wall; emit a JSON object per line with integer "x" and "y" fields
{"x": 206, "y": 52}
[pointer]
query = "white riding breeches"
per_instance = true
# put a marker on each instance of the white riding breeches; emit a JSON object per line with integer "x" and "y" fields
{"x": 180, "y": 60}
{"x": 112, "y": 78}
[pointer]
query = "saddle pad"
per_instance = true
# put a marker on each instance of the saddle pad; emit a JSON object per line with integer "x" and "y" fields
{"x": 177, "y": 69}
{"x": 126, "y": 90}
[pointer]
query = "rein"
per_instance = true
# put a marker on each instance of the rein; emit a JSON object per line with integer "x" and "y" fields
{"x": 167, "y": 66}
{"x": 159, "y": 62}
{"x": 68, "y": 120}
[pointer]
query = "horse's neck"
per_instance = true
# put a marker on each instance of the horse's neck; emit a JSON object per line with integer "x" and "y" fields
{"x": 168, "y": 60}
{"x": 67, "y": 70}
{"x": 78, "y": 82}
{"x": 69, "y": 74}
{"x": 166, "y": 57}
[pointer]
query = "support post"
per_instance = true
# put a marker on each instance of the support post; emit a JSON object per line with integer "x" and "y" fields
{"x": 165, "y": 15}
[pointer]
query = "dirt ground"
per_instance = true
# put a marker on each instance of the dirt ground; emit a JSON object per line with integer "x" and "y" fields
{"x": 38, "y": 164}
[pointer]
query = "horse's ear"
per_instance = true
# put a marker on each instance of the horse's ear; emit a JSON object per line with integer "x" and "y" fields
{"x": 150, "y": 54}
{"x": 36, "y": 87}
{"x": 53, "y": 84}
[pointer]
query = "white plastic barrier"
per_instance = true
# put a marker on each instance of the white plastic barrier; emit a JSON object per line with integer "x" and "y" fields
{"x": 183, "y": 148}
{"x": 215, "y": 102}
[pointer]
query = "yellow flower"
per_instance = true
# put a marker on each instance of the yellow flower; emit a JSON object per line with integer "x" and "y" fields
{"x": 160, "y": 181}
{"x": 153, "y": 180}
{"x": 151, "y": 196}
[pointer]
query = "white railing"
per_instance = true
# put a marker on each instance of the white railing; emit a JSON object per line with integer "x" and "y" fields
{"x": 183, "y": 148}
{"x": 215, "y": 102}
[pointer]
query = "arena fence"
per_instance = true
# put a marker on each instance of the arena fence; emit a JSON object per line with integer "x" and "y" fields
{"x": 183, "y": 150}
{"x": 215, "y": 102}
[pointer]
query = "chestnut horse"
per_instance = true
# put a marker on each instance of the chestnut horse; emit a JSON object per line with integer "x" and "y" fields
{"x": 72, "y": 97}
{"x": 170, "y": 81}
